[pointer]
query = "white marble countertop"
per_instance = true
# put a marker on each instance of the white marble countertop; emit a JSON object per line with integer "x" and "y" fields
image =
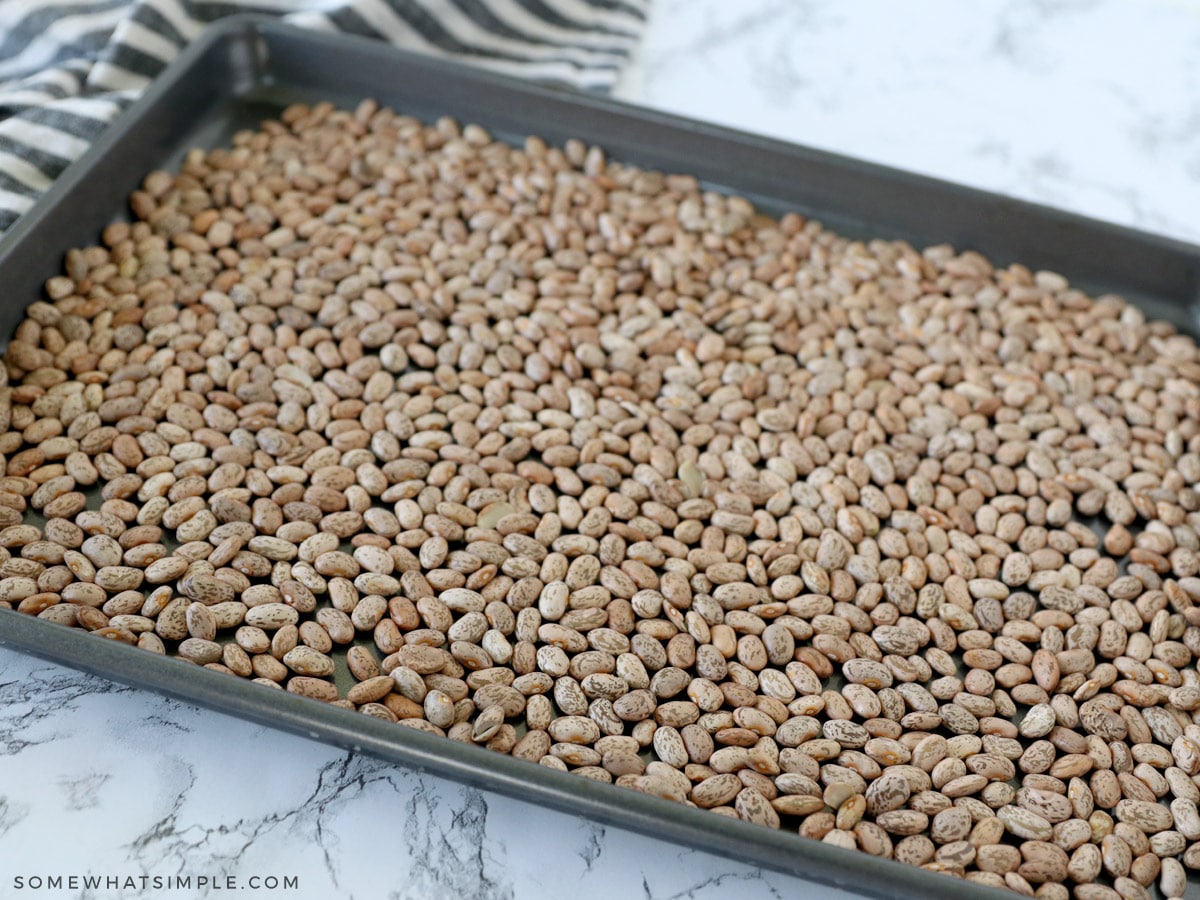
{"x": 1091, "y": 105}
{"x": 1087, "y": 105}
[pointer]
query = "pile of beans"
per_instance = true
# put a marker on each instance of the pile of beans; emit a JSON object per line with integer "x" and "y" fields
{"x": 585, "y": 464}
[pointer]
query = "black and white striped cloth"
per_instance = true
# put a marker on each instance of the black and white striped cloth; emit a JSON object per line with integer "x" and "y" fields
{"x": 68, "y": 67}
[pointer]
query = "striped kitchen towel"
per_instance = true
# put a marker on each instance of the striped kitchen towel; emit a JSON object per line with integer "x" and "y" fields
{"x": 68, "y": 67}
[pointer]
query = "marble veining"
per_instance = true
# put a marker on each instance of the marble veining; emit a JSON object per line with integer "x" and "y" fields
{"x": 11, "y": 815}
{"x": 1088, "y": 105}
{"x": 1091, "y": 105}
{"x": 82, "y": 791}
{"x": 163, "y": 788}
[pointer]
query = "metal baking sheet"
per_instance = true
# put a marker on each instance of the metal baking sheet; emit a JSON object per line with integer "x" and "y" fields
{"x": 246, "y": 69}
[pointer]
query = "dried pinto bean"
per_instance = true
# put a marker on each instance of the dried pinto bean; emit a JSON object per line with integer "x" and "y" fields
{"x": 522, "y": 433}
